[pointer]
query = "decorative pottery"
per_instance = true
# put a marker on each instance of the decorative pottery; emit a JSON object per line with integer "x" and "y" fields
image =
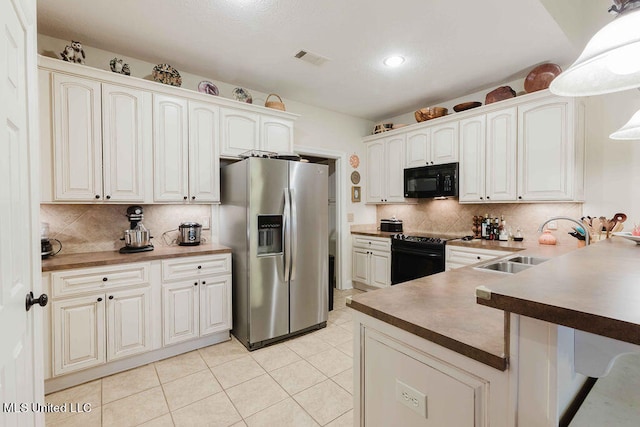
{"x": 73, "y": 53}
{"x": 541, "y": 77}
{"x": 165, "y": 73}
{"x": 547, "y": 238}
{"x": 354, "y": 161}
{"x": 208, "y": 88}
{"x": 242, "y": 95}
{"x": 466, "y": 106}
{"x": 429, "y": 113}
{"x": 355, "y": 177}
{"x": 499, "y": 94}
{"x": 120, "y": 67}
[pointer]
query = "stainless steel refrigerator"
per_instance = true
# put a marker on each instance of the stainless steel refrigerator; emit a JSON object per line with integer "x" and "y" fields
{"x": 274, "y": 216}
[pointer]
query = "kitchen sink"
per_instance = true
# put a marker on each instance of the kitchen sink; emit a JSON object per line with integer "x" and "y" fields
{"x": 505, "y": 267}
{"x": 528, "y": 260}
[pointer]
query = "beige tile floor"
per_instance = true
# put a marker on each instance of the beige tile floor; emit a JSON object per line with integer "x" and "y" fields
{"x": 306, "y": 381}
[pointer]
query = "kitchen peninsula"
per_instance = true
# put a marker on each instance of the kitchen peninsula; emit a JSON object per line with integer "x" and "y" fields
{"x": 431, "y": 350}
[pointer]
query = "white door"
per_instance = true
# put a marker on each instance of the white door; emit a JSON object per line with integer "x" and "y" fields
{"x": 276, "y": 135}
{"x": 125, "y": 131}
{"x": 502, "y": 143}
{"x": 128, "y": 323}
{"x": 77, "y": 142}
{"x": 240, "y": 132}
{"x": 417, "y": 148}
{"x": 360, "y": 265}
{"x": 215, "y": 304}
{"x": 78, "y": 333}
{"x": 380, "y": 269}
{"x": 204, "y": 160}
{"x": 472, "y": 160}
{"x": 444, "y": 143}
{"x": 170, "y": 148}
{"x": 21, "y": 372}
{"x": 394, "y": 166}
{"x": 180, "y": 304}
{"x": 545, "y": 150}
{"x": 375, "y": 172}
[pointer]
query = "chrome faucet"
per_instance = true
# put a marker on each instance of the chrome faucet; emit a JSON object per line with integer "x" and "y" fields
{"x": 586, "y": 232}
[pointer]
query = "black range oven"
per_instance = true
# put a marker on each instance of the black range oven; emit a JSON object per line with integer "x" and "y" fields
{"x": 413, "y": 257}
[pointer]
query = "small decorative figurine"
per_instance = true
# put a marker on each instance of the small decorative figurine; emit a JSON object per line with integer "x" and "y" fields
{"x": 165, "y": 73}
{"x": 73, "y": 53}
{"x": 119, "y": 66}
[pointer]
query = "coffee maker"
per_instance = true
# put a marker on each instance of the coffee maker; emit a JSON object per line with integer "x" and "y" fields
{"x": 137, "y": 238}
{"x": 46, "y": 248}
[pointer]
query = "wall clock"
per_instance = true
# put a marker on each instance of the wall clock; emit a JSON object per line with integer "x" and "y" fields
{"x": 355, "y": 177}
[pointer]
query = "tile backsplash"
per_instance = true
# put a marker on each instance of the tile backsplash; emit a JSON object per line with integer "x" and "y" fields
{"x": 449, "y": 216}
{"x": 93, "y": 228}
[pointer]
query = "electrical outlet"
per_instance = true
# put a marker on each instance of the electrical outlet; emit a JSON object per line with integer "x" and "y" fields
{"x": 552, "y": 225}
{"x": 350, "y": 217}
{"x": 206, "y": 222}
{"x": 411, "y": 398}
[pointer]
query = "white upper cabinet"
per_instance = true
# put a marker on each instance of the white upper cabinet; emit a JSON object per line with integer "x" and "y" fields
{"x": 444, "y": 143}
{"x": 204, "y": 161}
{"x": 125, "y": 134}
{"x": 77, "y": 130}
{"x": 276, "y": 134}
{"x": 418, "y": 148}
{"x": 244, "y": 131}
{"x": 488, "y": 157}
{"x": 376, "y": 168}
{"x": 472, "y": 159}
{"x": 432, "y": 145}
{"x": 101, "y": 141}
{"x": 112, "y": 138}
{"x": 546, "y": 150}
{"x": 170, "y": 148}
{"x": 501, "y": 155}
{"x": 385, "y": 166}
{"x": 240, "y": 132}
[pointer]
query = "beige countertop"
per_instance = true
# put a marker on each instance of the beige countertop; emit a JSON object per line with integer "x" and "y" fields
{"x": 95, "y": 259}
{"x": 595, "y": 289}
{"x": 442, "y": 308}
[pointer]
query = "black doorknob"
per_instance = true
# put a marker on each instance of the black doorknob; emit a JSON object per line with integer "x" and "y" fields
{"x": 42, "y": 300}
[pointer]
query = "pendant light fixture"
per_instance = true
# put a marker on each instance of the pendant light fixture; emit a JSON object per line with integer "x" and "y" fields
{"x": 629, "y": 131}
{"x": 609, "y": 63}
{"x": 611, "y": 60}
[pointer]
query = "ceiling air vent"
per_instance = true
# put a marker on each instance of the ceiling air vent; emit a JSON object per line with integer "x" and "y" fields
{"x": 312, "y": 58}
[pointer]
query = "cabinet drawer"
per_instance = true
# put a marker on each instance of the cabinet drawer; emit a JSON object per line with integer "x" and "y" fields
{"x": 74, "y": 282}
{"x": 375, "y": 243}
{"x": 184, "y": 268}
{"x": 469, "y": 256}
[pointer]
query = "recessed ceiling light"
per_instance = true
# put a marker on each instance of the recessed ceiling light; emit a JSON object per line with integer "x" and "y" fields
{"x": 394, "y": 61}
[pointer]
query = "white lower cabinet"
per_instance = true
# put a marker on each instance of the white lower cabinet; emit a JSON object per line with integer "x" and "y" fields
{"x": 458, "y": 256}
{"x": 404, "y": 380}
{"x": 371, "y": 261}
{"x": 199, "y": 302}
{"x": 127, "y": 313}
{"x": 81, "y": 333}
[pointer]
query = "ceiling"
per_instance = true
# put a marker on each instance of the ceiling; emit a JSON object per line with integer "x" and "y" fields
{"x": 452, "y": 48}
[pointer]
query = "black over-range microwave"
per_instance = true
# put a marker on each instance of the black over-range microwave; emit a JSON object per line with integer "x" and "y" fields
{"x": 431, "y": 181}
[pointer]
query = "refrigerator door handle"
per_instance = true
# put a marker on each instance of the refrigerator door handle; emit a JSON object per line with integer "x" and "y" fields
{"x": 293, "y": 234}
{"x": 286, "y": 219}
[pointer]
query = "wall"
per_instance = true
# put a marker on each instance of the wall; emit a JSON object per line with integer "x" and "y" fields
{"x": 93, "y": 228}
{"x": 613, "y": 175}
{"x": 448, "y": 216}
{"x": 316, "y": 129}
